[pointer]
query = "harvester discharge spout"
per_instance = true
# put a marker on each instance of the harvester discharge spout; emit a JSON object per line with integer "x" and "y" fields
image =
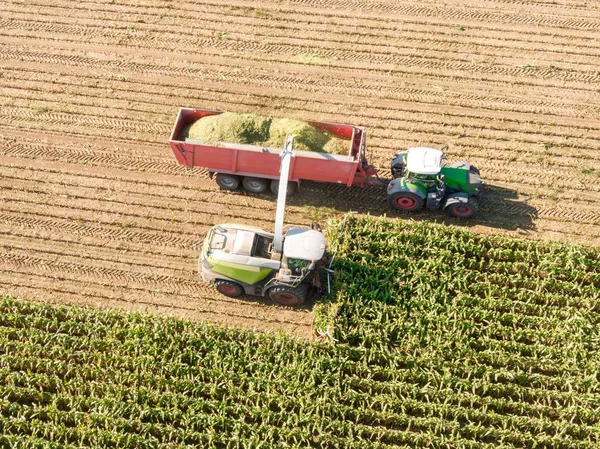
{"x": 286, "y": 157}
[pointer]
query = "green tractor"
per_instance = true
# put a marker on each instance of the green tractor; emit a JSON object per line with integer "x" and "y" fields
{"x": 242, "y": 259}
{"x": 422, "y": 180}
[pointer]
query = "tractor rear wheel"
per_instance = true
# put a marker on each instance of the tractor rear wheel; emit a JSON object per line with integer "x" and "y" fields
{"x": 227, "y": 181}
{"x": 229, "y": 288}
{"x": 291, "y": 187}
{"x": 405, "y": 201}
{"x": 288, "y": 296}
{"x": 255, "y": 185}
{"x": 463, "y": 210}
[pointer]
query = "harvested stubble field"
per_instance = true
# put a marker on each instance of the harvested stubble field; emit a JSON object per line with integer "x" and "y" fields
{"x": 96, "y": 211}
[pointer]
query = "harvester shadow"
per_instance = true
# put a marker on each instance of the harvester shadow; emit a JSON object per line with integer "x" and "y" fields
{"x": 266, "y": 301}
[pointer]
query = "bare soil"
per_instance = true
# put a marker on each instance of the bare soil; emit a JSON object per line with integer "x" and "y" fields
{"x": 95, "y": 210}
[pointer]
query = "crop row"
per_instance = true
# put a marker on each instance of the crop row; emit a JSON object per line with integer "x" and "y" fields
{"x": 98, "y": 379}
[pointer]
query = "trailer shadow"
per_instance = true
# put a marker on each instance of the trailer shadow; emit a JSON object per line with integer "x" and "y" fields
{"x": 499, "y": 207}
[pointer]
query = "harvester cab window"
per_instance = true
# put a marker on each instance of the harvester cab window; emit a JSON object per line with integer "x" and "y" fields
{"x": 262, "y": 246}
{"x": 298, "y": 265}
{"x": 219, "y": 240}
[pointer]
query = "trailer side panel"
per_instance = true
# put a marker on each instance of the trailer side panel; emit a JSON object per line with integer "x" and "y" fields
{"x": 251, "y": 160}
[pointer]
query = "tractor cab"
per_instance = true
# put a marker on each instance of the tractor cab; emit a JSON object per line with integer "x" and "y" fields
{"x": 424, "y": 166}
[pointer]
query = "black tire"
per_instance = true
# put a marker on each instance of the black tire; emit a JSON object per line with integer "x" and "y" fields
{"x": 227, "y": 181}
{"x": 463, "y": 210}
{"x": 229, "y": 288}
{"x": 291, "y": 187}
{"x": 255, "y": 185}
{"x": 398, "y": 170}
{"x": 287, "y": 296}
{"x": 405, "y": 201}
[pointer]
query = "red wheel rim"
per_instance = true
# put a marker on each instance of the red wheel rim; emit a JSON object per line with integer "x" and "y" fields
{"x": 227, "y": 289}
{"x": 462, "y": 210}
{"x": 405, "y": 202}
{"x": 286, "y": 298}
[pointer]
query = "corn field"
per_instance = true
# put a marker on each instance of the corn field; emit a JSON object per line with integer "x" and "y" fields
{"x": 437, "y": 339}
{"x": 477, "y": 338}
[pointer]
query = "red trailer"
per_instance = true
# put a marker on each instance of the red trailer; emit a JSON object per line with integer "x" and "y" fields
{"x": 257, "y": 167}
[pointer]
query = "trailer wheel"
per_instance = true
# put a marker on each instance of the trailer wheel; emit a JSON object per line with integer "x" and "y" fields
{"x": 288, "y": 296}
{"x": 227, "y": 181}
{"x": 291, "y": 187}
{"x": 229, "y": 288}
{"x": 405, "y": 201}
{"x": 463, "y": 210}
{"x": 255, "y": 185}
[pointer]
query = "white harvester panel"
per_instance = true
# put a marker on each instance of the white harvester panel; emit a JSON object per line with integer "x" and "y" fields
{"x": 305, "y": 244}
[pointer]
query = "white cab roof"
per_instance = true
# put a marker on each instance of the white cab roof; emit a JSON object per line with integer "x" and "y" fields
{"x": 305, "y": 244}
{"x": 424, "y": 161}
{"x": 243, "y": 243}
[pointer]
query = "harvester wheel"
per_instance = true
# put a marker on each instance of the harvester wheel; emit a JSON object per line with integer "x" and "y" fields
{"x": 255, "y": 185}
{"x": 405, "y": 201}
{"x": 229, "y": 288}
{"x": 288, "y": 296}
{"x": 463, "y": 210}
{"x": 291, "y": 187}
{"x": 227, "y": 181}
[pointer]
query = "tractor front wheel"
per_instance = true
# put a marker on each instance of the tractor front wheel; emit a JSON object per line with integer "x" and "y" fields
{"x": 229, "y": 288}
{"x": 405, "y": 201}
{"x": 288, "y": 296}
{"x": 463, "y": 210}
{"x": 227, "y": 181}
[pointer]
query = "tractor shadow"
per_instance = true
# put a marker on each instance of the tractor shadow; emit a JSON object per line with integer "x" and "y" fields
{"x": 499, "y": 207}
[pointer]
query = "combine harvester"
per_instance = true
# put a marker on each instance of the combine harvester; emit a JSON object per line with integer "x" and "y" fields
{"x": 242, "y": 259}
{"x": 420, "y": 178}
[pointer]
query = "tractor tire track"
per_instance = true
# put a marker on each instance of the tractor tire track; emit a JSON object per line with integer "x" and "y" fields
{"x": 467, "y": 98}
{"x": 330, "y": 48}
{"x": 91, "y": 228}
{"x": 383, "y": 124}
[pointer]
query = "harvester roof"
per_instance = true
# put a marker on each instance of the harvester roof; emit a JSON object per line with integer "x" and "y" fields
{"x": 305, "y": 244}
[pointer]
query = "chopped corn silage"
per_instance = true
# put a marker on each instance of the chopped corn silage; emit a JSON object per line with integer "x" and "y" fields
{"x": 263, "y": 131}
